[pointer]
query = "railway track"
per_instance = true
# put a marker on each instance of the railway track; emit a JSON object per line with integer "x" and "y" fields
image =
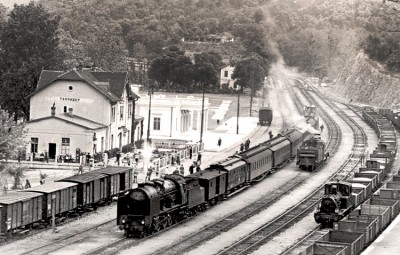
{"x": 224, "y": 224}
{"x": 262, "y": 235}
{"x": 236, "y": 218}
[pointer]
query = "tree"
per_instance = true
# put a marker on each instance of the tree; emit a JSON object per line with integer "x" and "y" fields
{"x": 250, "y": 73}
{"x": 28, "y": 44}
{"x": 12, "y": 135}
{"x": 17, "y": 172}
{"x": 106, "y": 50}
{"x": 204, "y": 74}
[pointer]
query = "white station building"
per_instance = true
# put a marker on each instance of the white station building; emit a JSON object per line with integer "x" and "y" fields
{"x": 173, "y": 118}
{"x": 81, "y": 111}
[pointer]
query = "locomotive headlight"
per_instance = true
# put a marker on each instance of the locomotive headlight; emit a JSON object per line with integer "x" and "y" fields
{"x": 336, "y": 210}
{"x": 142, "y": 222}
{"x": 123, "y": 221}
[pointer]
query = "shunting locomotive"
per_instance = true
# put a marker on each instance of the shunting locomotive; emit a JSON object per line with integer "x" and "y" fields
{"x": 336, "y": 203}
{"x": 311, "y": 154}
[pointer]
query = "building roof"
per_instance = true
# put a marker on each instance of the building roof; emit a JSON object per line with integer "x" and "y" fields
{"x": 110, "y": 84}
{"x": 73, "y": 119}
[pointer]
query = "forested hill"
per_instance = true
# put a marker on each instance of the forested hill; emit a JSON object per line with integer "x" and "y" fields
{"x": 142, "y": 28}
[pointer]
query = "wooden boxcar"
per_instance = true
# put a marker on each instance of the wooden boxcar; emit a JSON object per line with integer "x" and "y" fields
{"x": 63, "y": 193}
{"x": 120, "y": 179}
{"x": 213, "y": 182}
{"x": 92, "y": 188}
{"x": 19, "y": 210}
{"x": 265, "y": 116}
{"x": 236, "y": 169}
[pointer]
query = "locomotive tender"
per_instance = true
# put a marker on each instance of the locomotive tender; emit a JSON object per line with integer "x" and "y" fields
{"x": 154, "y": 205}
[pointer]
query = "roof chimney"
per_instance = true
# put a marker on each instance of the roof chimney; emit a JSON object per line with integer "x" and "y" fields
{"x": 53, "y": 109}
{"x": 70, "y": 112}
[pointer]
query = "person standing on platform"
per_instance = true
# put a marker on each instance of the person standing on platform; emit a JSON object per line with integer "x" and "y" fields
{"x": 191, "y": 169}
{"x": 241, "y": 147}
{"x": 219, "y": 142}
{"x": 199, "y": 159}
{"x": 247, "y": 144}
{"x": 182, "y": 170}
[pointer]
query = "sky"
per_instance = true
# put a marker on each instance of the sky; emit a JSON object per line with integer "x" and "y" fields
{"x": 10, "y": 3}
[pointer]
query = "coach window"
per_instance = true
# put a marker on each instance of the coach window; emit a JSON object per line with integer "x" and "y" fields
{"x": 34, "y": 144}
{"x": 65, "y": 142}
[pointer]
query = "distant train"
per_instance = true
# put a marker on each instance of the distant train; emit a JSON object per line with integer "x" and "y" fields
{"x": 159, "y": 203}
{"x": 311, "y": 116}
{"x": 265, "y": 116}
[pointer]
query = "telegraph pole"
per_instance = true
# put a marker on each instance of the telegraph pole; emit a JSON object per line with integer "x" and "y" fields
{"x": 237, "y": 116}
{"x": 148, "y": 121}
{"x": 202, "y": 118}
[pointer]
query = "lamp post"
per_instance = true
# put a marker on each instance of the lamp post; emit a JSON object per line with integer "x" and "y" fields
{"x": 133, "y": 121}
{"x": 202, "y": 118}
{"x": 150, "y": 82}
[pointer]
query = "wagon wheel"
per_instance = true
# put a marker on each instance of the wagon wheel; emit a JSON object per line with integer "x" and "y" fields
{"x": 169, "y": 220}
{"x": 155, "y": 227}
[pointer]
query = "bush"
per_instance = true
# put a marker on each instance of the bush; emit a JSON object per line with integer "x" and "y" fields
{"x": 139, "y": 144}
{"x": 128, "y": 148}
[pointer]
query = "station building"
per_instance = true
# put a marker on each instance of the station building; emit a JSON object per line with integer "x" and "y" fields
{"x": 173, "y": 118}
{"x": 81, "y": 111}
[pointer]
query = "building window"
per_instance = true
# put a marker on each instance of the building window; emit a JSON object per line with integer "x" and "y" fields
{"x": 129, "y": 111}
{"x": 65, "y": 109}
{"x": 65, "y": 142}
{"x": 157, "y": 123}
{"x": 226, "y": 74}
{"x": 102, "y": 144}
{"x": 121, "y": 113}
{"x": 34, "y": 144}
{"x": 112, "y": 114}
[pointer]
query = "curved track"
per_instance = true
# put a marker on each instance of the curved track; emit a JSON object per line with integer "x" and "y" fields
{"x": 227, "y": 222}
{"x": 262, "y": 235}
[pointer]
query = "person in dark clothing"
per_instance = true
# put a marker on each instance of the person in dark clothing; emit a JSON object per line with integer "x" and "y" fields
{"x": 191, "y": 169}
{"x": 270, "y": 135}
{"x": 190, "y": 152}
{"x": 199, "y": 159}
{"x": 27, "y": 184}
{"x": 118, "y": 157}
{"x": 198, "y": 168}
{"x": 219, "y": 142}
{"x": 241, "y": 147}
{"x": 247, "y": 144}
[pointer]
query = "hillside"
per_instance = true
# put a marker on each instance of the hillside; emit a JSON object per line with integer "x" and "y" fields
{"x": 365, "y": 81}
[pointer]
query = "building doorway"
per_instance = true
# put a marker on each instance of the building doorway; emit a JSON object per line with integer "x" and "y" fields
{"x": 52, "y": 150}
